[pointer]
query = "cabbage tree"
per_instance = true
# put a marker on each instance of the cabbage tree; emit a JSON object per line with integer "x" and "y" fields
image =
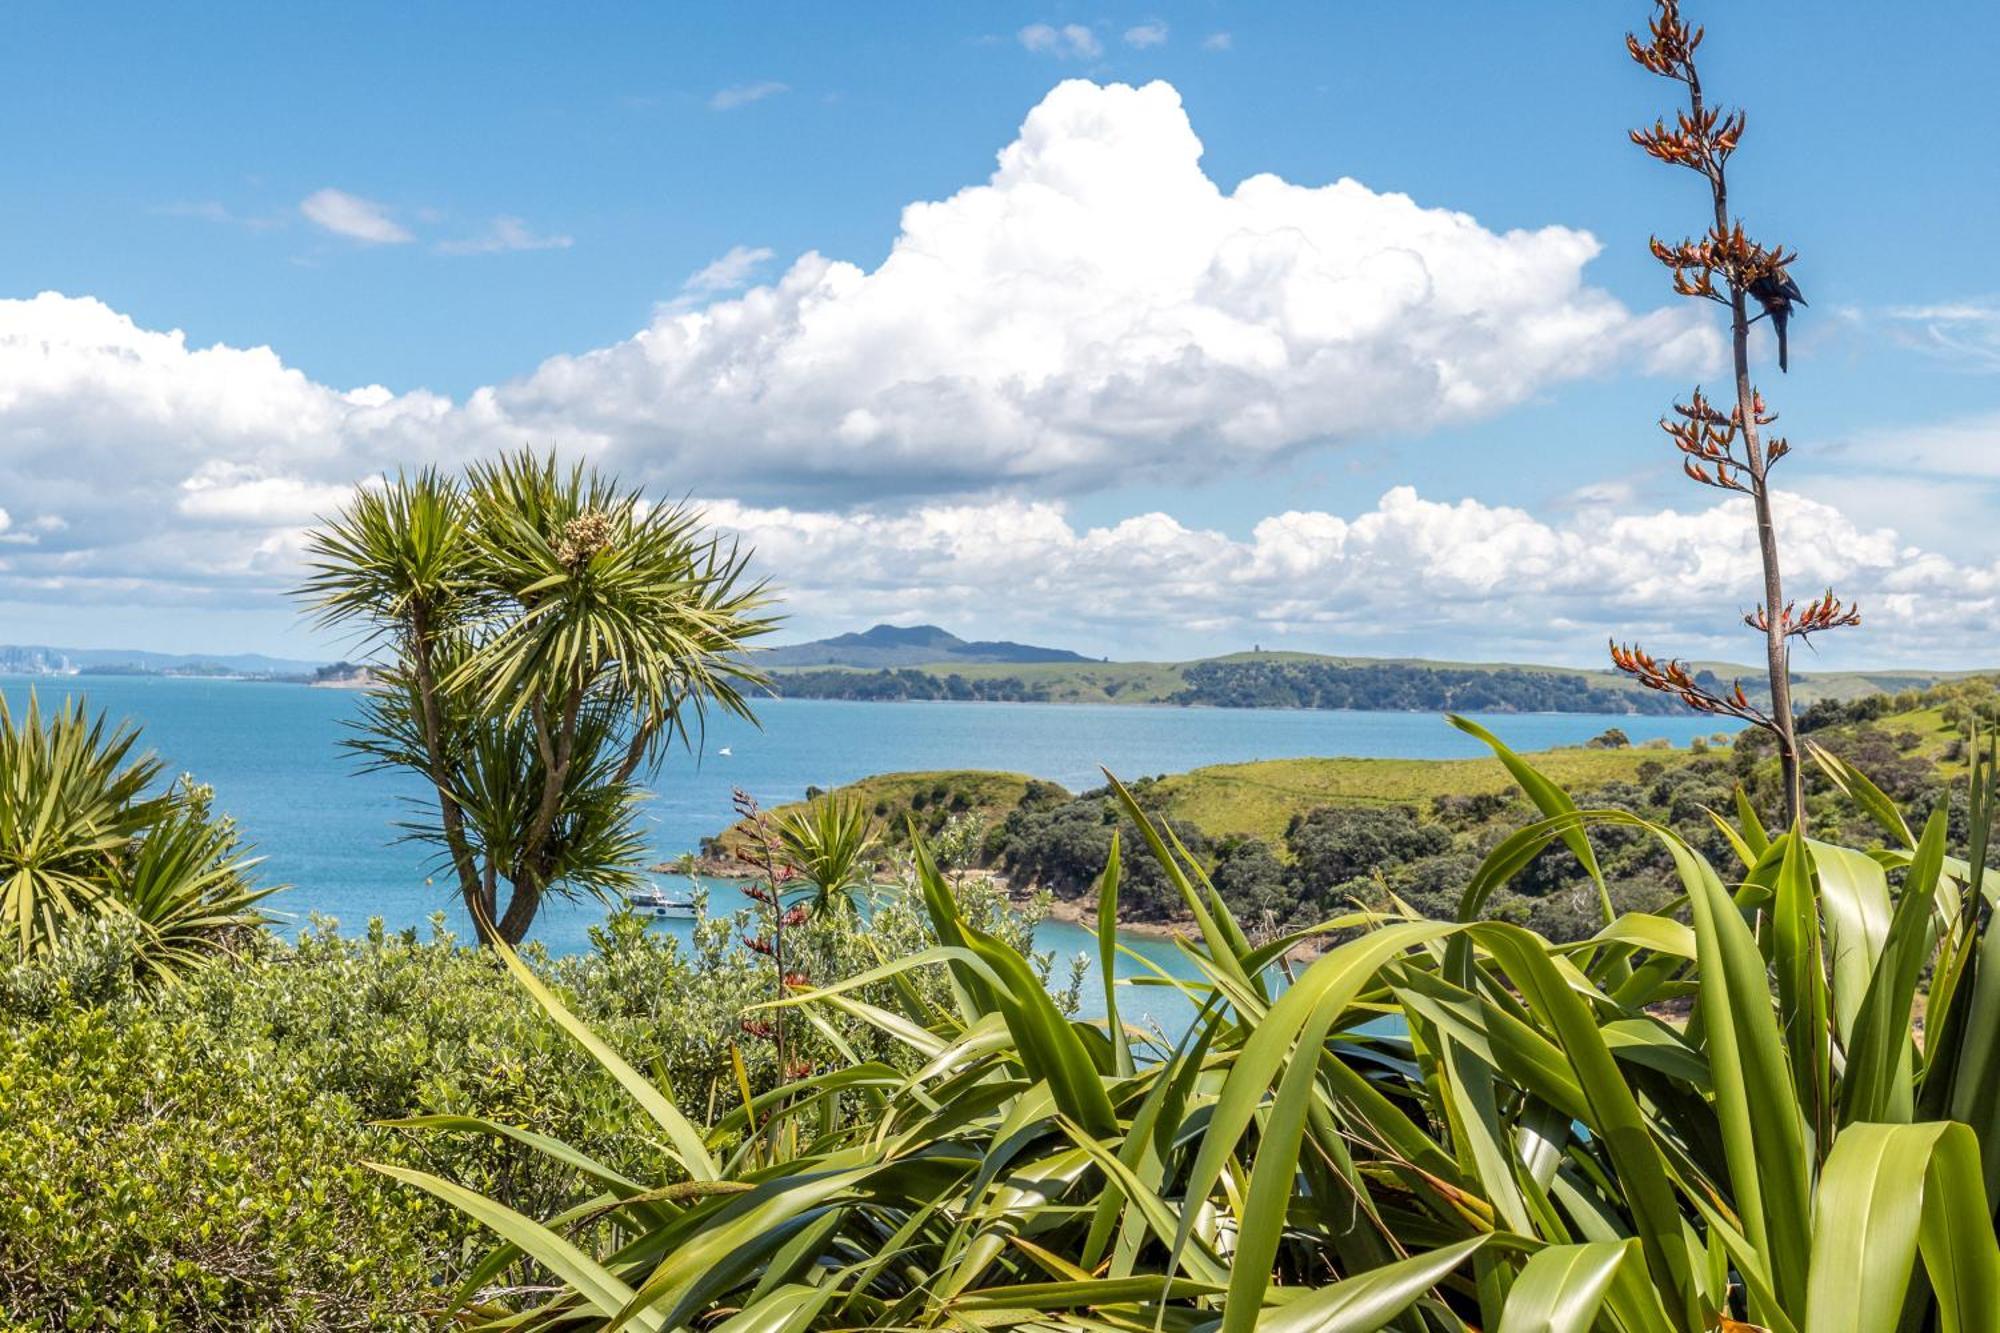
{"x": 547, "y": 636}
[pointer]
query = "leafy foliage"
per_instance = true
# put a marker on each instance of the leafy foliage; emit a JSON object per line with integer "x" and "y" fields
{"x": 196, "y": 1151}
{"x": 86, "y": 836}
{"x": 1523, "y": 1144}
{"x": 827, "y": 843}
{"x": 1319, "y": 683}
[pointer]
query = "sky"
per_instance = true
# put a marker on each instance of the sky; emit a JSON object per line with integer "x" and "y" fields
{"x": 1145, "y": 331}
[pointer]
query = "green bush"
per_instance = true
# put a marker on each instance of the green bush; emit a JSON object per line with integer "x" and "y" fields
{"x": 189, "y": 1157}
{"x": 1436, "y": 1124}
{"x": 153, "y": 1178}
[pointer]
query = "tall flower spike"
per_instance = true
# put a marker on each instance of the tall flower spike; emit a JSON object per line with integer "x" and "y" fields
{"x": 1727, "y": 451}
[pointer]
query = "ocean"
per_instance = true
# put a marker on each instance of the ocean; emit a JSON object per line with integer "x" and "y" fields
{"x": 328, "y": 832}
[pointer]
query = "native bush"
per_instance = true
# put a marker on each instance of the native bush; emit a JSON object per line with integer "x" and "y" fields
{"x": 1437, "y": 1124}
{"x": 188, "y": 1158}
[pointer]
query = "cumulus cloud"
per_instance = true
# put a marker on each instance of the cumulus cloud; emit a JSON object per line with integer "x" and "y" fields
{"x": 1071, "y": 41}
{"x": 241, "y": 495}
{"x": 351, "y": 216}
{"x": 1217, "y": 41}
{"x": 1408, "y": 575}
{"x": 186, "y": 475}
{"x": 743, "y": 94}
{"x": 503, "y": 235}
{"x": 1099, "y": 307}
{"x": 1098, "y": 311}
{"x": 1143, "y": 35}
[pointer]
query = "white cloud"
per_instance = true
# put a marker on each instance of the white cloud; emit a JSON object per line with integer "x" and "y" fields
{"x": 1102, "y": 307}
{"x": 1071, "y": 41}
{"x": 1409, "y": 575}
{"x": 185, "y": 475}
{"x": 1217, "y": 41}
{"x": 1966, "y": 333}
{"x": 743, "y": 94}
{"x": 1098, "y": 312}
{"x": 1144, "y": 35}
{"x": 351, "y": 216}
{"x": 727, "y": 273}
{"x": 504, "y": 235}
{"x": 1967, "y": 446}
{"x": 242, "y": 495}
{"x": 211, "y": 210}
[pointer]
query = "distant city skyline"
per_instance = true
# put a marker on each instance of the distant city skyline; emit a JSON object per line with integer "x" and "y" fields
{"x": 1314, "y": 327}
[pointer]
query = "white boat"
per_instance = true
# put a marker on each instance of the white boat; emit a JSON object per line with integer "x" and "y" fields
{"x": 655, "y": 902}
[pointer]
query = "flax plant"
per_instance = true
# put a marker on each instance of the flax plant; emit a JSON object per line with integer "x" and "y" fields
{"x": 1724, "y": 446}
{"x": 89, "y": 834}
{"x": 1432, "y": 1125}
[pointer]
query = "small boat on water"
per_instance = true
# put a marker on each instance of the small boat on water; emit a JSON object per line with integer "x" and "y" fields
{"x": 655, "y": 902}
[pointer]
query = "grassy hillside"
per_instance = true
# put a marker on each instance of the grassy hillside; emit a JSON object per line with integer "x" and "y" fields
{"x": 1260, "y": 798}
{"x": 1256, "y": 798}
{"x": 930, "y": 798}
{"x": 1158, "y": 682}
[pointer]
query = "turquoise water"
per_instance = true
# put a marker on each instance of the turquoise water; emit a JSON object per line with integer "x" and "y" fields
{"x": 272, "y": 753}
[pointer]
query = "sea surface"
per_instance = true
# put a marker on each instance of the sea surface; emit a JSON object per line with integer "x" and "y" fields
{"x": 328, "y": 832}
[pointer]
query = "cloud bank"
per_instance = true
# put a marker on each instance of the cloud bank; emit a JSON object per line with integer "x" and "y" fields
{"x": 1098, "y": 311}
{"x": 1410, "y": 575}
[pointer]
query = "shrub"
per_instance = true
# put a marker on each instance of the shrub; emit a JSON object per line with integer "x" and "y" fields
{"x": 1337, "y": 844}
{"x": 153, "y": 1177}
{"x": 86, "y": 834}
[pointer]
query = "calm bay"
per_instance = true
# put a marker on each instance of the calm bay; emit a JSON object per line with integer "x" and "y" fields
{"x": 272, "y": 752}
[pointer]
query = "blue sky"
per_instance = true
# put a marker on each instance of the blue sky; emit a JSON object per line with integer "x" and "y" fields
{"x": 435, "y": 199}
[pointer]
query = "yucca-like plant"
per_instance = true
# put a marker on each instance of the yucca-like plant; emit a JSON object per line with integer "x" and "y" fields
{"x": 1714, "y": 1117}
{"x": 550, "y": 634}
{"x": 87, "y": 835}
{"x": 827, "y": 843}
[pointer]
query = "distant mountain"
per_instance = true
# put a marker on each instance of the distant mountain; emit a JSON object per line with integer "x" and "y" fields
{"x": 908, "y": 645}
{"x": 41, "y": 660}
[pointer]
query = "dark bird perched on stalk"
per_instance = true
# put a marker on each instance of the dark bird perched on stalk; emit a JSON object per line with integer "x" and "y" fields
{"x": 1777, "y": 293}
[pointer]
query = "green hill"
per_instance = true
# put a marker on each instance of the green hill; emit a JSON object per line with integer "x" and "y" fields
{"x": 1305, "y": 680}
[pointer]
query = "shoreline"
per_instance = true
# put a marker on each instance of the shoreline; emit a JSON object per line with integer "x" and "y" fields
{"x": 1079, "y": 912}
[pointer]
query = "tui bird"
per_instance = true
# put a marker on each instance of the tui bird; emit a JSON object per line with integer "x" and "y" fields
{"x": 1777, "y": 293}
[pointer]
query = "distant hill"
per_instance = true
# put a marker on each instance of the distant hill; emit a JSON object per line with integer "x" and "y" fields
{"x": 1301, "y": 680}
{"x": 906, "y": 646}
{"x": 41, "y": 660}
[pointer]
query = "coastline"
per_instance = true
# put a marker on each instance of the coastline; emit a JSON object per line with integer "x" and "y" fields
{"x": 1080, "y": 912}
